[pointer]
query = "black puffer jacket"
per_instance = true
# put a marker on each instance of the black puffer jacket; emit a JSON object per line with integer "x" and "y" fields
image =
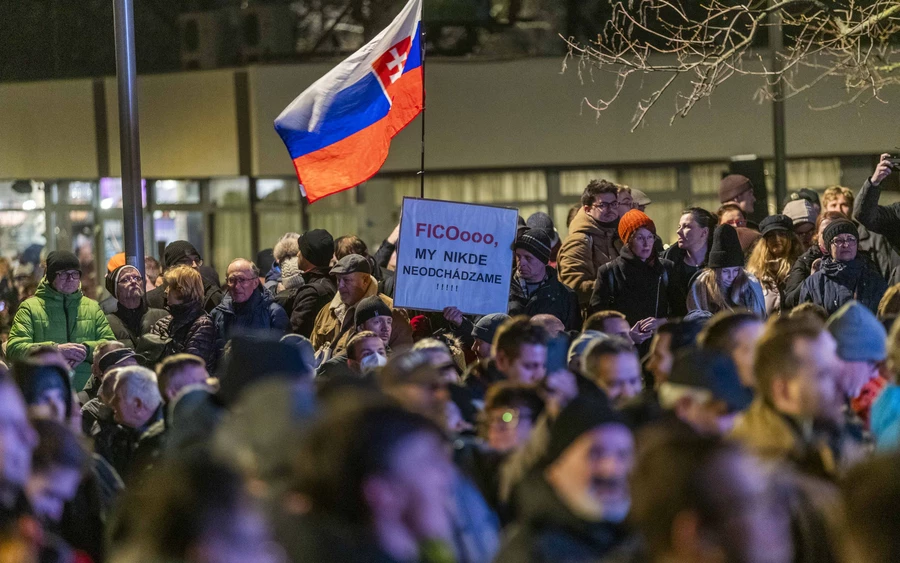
{"x": 635, "y": 288}
{"x": 836, "y": 283}
{"x": 193, "y": 333}
{"x": 550, "y": 298}
{"x": 682, "y": 274}
{"x": 547, "y": 531}
{"x": 317, "y": 292}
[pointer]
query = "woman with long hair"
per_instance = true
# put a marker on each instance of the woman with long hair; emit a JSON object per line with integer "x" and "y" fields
{"x": 724, "y": 284}
{"x": 772, "y": 258}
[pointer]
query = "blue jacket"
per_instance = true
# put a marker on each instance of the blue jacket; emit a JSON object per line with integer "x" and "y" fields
{"x": 259, "y": 313}
{"x": 839, "y": 282}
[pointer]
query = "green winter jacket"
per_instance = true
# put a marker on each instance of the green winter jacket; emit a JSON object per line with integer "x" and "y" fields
{"x": 51, "y": 317}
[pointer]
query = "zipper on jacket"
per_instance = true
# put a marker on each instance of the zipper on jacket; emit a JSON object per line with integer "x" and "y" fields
{"x": 66, "y": 313}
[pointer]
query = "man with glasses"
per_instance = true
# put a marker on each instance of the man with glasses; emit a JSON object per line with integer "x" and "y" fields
{"x": 183, "y": 253}
{"x": 132, "y": 318}
{"x": 247, "y": 307}
{"x": 844, "y": 275}
{"x": 60, "y": 314}
{"x": 593, "y": 238}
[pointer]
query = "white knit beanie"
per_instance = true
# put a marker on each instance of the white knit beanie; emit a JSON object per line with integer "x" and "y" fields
{"x": 291, "y": 277}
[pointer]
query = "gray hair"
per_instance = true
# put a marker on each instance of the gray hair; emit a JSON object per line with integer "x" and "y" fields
{"x": 287, "y": 247}
{"x": 139, "y": 382}
{"x": 431, "y": 345}
{"x": 253, "y": 267}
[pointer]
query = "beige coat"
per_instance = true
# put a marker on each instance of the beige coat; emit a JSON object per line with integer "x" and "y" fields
{"x": 334, "y": 324}
{"x": 587, "y": 247}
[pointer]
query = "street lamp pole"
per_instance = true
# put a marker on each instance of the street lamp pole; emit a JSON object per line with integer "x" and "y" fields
{"x": 129, "y": 138}
{"x": 776, "y": 44}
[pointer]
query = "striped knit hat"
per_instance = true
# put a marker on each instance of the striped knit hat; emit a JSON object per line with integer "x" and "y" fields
{"x": 535, "y": 241}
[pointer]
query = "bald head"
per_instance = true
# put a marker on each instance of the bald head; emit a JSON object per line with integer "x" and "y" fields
{"x": 243, "y": 279}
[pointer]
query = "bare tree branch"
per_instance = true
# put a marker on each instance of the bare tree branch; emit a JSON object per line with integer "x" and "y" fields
{"x": 696, "y": 46}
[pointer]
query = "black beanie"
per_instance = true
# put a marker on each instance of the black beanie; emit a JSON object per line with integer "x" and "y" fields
{"x": 537, "y": 242}
{"x": 839, "y": 227}
{"x": 176, "y": 251}
{"x": 582, "y": 414}
{"x": 369, "y": 308}
{"x": 317, "y": 247}
{"x": 726, "y": 249}
{"x": 60, "y": 261}
{"x": 265, "y": 259}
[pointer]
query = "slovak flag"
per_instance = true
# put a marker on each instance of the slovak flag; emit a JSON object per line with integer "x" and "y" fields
{"x": 339, "y": 130}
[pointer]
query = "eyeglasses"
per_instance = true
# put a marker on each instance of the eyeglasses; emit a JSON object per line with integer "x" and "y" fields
{"x": 69, "y": 275}
{"x": 603, "y": 206}
{"x": 644, "y": 238}
{"x": 736, "y": 222}
{"x": 846, "y": 242}
{"x": 234, "y": 280}
{"x": 131, "y": 279}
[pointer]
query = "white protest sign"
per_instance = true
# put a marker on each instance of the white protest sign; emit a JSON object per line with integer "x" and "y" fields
{"x": 454, "y": 255}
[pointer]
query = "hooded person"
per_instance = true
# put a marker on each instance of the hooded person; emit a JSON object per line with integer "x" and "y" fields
{"x": 319, "y": 287}
{"x": 60, "y": 314}
{"x": 183, "y": 253}
{"x": 535, "y": 289}
{"x": 132, "y": 318}
{"x": 724, "y": 284}
{"x": 844, "y": 274}
{"x": 637, "y": 282}
{"x": 572, "y": 505}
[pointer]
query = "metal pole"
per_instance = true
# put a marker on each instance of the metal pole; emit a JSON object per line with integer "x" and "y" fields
{"x": 129, "y": 139}
{"x": 422, "y": 163}
{"x": 776, "y": 43}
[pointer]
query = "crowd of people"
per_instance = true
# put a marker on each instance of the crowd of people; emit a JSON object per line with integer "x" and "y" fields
{"x": 730, "y": 398}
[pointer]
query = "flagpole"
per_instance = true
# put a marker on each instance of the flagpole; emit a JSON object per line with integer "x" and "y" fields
{"x": 422, "y": 161}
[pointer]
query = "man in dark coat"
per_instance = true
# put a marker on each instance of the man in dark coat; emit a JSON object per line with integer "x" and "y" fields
{"x": 571, "y": 507}
{"x": 247, "y": 306}
{"x": 183, "y": 253}
{"x": 535, "y": 288}
{"x": 316, "y": 251}
{"x": 138, "y": 405}
{"x": 132, "y": 317}
{"x": 880, "y": 219}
